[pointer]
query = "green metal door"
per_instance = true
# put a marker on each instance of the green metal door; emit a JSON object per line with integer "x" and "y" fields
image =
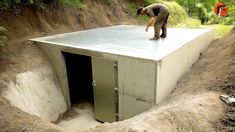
{"x": 104, "y": 85}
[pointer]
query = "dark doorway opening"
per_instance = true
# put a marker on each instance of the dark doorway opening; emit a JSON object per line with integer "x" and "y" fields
{"x": 79, "y": 73}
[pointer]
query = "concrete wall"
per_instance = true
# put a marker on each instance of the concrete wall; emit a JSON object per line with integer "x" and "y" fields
{"x": 137, "y": 84}
{"x": 37, "y": 92}
{"x": 173, "y": 66}
{"x": 136, "y": 78}
{"x": 57, "y": 59}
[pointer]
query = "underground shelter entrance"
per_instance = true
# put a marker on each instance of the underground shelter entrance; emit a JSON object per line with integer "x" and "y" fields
{"x": 79, "y": 73}
{"x": 92, "y": 82}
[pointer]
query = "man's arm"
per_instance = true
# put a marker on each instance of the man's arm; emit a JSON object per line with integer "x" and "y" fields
{"x": 150, "y": 22}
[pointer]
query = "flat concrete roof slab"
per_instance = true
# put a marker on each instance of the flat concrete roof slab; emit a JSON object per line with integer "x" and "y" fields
{"x": 126, "y": 40}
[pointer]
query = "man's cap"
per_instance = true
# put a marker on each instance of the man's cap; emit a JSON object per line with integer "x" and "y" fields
{"x": 139, "y": 9}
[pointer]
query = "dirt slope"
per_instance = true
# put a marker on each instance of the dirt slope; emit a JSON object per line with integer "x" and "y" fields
{"x": 18, "y": 55}
{"x": 14, "y": 120}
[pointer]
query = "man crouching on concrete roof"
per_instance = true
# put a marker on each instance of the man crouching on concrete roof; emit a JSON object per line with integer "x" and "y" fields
{"x": 161, "y": 13}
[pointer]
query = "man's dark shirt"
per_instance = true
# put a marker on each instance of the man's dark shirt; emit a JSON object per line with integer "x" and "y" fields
{"x": 153, "y": 9}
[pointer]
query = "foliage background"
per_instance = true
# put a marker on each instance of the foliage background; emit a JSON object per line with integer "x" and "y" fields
{"x": 203, "y": 10}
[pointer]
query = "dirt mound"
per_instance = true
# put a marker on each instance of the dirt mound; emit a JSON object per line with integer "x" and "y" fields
{"x": 227, "y": 85}
{"x": 14, "y": 120}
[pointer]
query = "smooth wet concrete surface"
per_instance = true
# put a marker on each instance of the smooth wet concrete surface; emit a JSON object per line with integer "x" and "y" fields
{"x": 126, "y": 40}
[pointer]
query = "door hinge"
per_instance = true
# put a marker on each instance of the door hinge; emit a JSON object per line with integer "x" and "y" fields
{"x": 115, "y": 64}
{"x": 116, "y": 89}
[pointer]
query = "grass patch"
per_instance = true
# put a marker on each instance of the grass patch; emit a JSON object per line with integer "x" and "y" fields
{"x": 111, "y": 1}
{"x": 189, "y": 23}
{"x": 76, "y": 4}
{"x": 220, "y": 30}
{"x": 3, "y": 38}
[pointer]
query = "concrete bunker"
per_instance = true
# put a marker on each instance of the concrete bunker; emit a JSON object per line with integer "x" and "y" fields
{"x": 130, "y": 74}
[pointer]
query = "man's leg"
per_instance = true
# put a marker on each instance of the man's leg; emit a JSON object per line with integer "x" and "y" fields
{"x": 159, "y": 21}
{"x": 164, "y": 28}
{"x": 157, "y": 28}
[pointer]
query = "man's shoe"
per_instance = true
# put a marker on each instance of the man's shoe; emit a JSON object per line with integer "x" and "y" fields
{"x": 154, "y": 38}
{"x": 163, "y": 36}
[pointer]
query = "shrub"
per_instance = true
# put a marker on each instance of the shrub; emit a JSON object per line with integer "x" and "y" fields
{"x": 12, "y": 4}
{"x": 199, "y": 12}
{"x": 215, "y": 19}
{"x": 5, "y": 4}
{"x": 177, "y": 13}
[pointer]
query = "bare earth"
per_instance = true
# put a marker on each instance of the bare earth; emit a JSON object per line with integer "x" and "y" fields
{"x": 194, "y": 105}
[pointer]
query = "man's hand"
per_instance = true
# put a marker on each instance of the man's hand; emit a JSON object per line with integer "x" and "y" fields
{"x": 150, "y": 22}
{"x": 147, "y": 29}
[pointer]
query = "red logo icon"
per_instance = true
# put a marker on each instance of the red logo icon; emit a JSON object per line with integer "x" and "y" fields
{"x": 221, "y": 9}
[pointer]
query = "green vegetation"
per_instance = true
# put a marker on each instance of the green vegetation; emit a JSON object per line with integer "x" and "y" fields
{"x": 110, "y": 1}
{"x": 214, "y": 19}
{"x": 193, "y": 14}
{"x": 8, "y": 4}
{"x": 181, "y": 129}
{"x": 178, "y": 16}
{"x": 177, "y": 13}
{"x": 76, "y": 4}
{"x": 203, "y": 10}
{"x": 199, "y": 9}
{"x": 132, "y": 7}
{"x": 190, "y": 5}
{"x": 190, "y": 23}
{"x": 148, "y": 2}
{"x": 40, "y": 4}
{"x": 2, "y": 37}
{"x": 220, "y": 30}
